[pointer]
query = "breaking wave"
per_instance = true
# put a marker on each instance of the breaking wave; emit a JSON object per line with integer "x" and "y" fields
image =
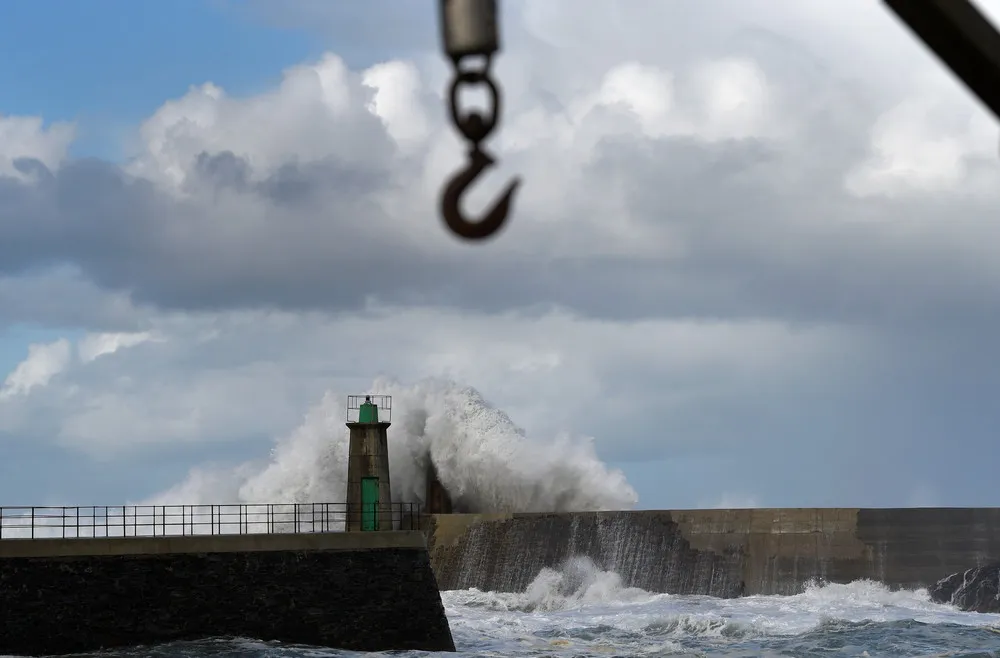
{"x": 578, "y": 609}
{"x": 483, "y": 459}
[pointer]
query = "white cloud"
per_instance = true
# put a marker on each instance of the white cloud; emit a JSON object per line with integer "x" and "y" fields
{"x": 28, "y": 137}
{"x": 926, "y": 144}
{"x": 44, "y": 361}
{"x": 94, "y": 346}
{"x": 396, "y": 101}
{"x": 320, "y": 109}
{"x": 224, "y": 378}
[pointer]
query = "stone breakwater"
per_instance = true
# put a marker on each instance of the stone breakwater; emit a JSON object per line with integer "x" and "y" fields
{"x": 722, "y": 553}
{"x": 356, "y": 591}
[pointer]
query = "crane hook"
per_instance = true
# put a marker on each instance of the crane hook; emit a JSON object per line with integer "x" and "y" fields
{"x": 494, "y": 218}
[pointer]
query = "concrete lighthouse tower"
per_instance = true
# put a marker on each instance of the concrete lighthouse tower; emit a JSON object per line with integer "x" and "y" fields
{"x": 368, "y": 493}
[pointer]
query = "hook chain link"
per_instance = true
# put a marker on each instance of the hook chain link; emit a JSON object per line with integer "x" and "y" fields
{"x": 475, "y": 126}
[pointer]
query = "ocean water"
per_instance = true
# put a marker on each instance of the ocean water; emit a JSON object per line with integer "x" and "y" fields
{"x": 582, "y": 611}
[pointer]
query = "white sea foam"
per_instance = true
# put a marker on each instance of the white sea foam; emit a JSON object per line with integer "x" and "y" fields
{"x": 484, "y": 460}
{"x": 579, "y": 609}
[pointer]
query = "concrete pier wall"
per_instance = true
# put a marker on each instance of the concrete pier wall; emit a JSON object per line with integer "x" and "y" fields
{"x": 717, "y": 552}
{"x": 371, "y": 591}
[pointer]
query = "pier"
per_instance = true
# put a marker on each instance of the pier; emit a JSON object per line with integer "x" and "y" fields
{"x": 145, "y": 575}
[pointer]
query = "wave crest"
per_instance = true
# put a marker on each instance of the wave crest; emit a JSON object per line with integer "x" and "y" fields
{"x": 483, "y": 459}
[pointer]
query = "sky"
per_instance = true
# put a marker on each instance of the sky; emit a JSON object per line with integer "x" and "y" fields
{"x": 752, "y": 261}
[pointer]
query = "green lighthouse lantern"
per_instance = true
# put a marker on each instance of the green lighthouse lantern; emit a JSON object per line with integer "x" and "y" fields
{"x": 368, "y": 411}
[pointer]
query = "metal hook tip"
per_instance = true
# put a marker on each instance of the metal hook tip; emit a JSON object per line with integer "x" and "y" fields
{"x": 493, "y": 220}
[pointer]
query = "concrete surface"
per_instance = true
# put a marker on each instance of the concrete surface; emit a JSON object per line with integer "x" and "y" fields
{"x": 326, "y": 541}
{"x": 717, "y": 552}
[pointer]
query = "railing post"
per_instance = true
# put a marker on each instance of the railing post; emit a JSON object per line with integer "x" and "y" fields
{"x": 32, "y": 522}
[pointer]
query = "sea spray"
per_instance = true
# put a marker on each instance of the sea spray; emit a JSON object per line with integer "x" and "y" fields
{"x": 486, "y": 462}
{"x": 577, "y": 609}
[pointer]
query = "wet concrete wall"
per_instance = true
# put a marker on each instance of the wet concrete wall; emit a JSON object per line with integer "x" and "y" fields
{"x": 717, "y": 552}
{"x": 371, "y": 591}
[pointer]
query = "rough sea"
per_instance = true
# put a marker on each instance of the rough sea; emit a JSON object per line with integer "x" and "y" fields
{"x": 578, "y": 610}
{"x": 601, "y": 618}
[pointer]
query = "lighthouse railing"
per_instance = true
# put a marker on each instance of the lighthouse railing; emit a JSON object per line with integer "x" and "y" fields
{"x": 50, "y": 522}
{"x": 382, "y": 402}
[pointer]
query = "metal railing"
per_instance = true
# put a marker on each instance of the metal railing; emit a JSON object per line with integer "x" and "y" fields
{"x": 184, "y": 520}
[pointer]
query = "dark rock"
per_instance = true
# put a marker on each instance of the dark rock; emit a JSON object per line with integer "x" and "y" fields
{"x": 973, "y": 590}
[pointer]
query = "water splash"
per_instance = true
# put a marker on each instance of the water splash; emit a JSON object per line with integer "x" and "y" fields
{"x": 483, "y": 459}
{"x": 577, "y": 583}
{"x": 587, "y": 608}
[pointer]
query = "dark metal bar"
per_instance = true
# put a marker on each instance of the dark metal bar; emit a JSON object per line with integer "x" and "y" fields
{"x": 41, "y": 521}
{"x": 962, "y": 37}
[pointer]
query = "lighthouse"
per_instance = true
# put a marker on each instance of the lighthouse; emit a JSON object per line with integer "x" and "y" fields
{"x": 369, "y": 496}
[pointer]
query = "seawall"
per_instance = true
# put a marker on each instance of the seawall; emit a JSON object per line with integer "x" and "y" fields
{"x": 371, "y": 591}
{"x": 717, "y": 552}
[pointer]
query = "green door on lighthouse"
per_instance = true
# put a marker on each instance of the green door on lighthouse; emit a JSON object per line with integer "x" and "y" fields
{"x": 369, "y": 503}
